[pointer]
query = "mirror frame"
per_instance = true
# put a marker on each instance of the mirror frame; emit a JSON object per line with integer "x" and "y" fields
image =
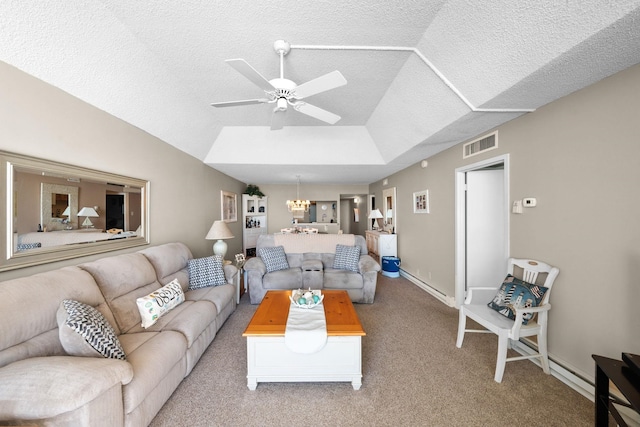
{"x": 10, "y": 260}
{"x": 46, "y": 197}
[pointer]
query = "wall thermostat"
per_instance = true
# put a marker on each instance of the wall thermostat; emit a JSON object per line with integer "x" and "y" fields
{"x": 529, "y": 202}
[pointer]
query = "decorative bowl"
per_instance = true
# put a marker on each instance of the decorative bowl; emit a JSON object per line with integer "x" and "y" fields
{"x": 306, "y": 298}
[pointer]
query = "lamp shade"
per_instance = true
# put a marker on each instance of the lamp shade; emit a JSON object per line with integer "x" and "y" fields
{"x": 219, "y": 231}
{"x": 375, "y": 214}
{"x": 87, "y": 211}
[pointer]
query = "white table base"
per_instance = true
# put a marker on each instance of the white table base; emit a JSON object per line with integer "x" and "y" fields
{"x": 270, "y": 360}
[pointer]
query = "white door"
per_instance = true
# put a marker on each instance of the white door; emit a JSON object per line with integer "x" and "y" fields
{"x": 485, "y": 228}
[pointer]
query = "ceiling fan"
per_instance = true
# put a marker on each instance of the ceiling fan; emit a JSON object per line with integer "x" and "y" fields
{"x": 283, "y": 92}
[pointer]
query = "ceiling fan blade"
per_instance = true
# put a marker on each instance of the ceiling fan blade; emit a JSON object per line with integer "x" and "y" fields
{"x": 249, "y": 72}
{"x": 277, "y": 119}
{"x": 323, "y": 83}
{"x": 316, "y": 112}
{"x": 243, "y": 102}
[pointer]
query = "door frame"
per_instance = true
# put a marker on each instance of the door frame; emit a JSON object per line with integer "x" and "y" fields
{"x": 460, "y": 221}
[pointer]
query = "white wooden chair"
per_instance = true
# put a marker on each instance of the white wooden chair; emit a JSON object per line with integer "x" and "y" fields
{"x": 475, "y": 307}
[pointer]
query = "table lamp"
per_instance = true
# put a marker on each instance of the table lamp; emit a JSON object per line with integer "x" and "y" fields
{"x": 219, "y": 231}
{"x": 88, "y": 212}
{"x": 375, "y": 215}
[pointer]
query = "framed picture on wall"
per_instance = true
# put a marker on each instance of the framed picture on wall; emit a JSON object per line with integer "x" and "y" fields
{"x": 421, "y": 202}
{"x": 228, "y": 206}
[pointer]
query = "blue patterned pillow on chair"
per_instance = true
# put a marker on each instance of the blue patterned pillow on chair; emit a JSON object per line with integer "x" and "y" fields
{"x": 205, "y": 272}
{"x": 515, "y": 293}
{"x": 347, "y": 258}
{"x": 274, "y": 258}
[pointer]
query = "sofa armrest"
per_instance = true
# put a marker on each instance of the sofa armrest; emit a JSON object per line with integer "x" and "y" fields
{"x": 230, "y": 272}
{"x": 255, "y": 264}
{"x": 367, "y": 264}
{"x": 27, "y": 384}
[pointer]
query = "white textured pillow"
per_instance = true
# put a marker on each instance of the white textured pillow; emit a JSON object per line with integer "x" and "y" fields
{"x": 347, "y": 258}
{"x": 274, "y": 258}
{"x": 159, "y": 302}
{"x": 204, "y": 272}
{"x": 84, "y": 331}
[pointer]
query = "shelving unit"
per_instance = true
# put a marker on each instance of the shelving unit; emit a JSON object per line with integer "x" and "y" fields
{"x": 254, "y": 219}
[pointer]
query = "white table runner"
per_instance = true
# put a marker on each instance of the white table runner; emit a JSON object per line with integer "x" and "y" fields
{"x": 306, "y": 330}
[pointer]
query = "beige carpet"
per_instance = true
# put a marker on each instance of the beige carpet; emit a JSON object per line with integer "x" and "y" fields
{"x": 413, "y": 375}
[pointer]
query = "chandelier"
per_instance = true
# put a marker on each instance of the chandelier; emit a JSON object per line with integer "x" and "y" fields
{"x": 298, "y": 207}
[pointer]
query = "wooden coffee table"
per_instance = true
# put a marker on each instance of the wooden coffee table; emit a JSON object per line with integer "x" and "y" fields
{"x": 270, "y": 360}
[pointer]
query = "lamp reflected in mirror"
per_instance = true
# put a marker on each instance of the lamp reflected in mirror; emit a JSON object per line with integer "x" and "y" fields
{"x": 88, "y": 212}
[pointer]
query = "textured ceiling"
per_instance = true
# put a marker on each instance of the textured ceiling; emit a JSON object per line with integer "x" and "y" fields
{"x": 422, "y": 75}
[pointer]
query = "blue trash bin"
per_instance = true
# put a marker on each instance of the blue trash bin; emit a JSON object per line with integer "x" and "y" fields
{"x": 391, "y": 266}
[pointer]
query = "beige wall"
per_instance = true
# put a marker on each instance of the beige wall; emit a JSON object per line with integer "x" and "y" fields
{"x": 580, "y": 157}
{"x": 39, "y": 120}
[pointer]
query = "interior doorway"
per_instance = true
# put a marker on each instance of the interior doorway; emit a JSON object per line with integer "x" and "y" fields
{"x": 482, "y": 224}
{"x": 115, "y": 211}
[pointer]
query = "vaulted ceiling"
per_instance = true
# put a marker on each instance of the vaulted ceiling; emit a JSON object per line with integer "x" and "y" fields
{"x": 422, "y": 75}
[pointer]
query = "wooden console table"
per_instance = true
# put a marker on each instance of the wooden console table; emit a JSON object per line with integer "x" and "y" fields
{"x": 620, "y": 375}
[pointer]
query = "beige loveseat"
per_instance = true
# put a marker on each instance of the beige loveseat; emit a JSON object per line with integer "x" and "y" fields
{"x": 310, "y": 263}
{"x": 40, "y": 384}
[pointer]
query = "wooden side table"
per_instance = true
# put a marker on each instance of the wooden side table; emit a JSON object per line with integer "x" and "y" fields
{"x": 622, "y": 377}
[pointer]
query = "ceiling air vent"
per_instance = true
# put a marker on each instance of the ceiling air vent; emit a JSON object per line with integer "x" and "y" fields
{"x": 480, "y": 145}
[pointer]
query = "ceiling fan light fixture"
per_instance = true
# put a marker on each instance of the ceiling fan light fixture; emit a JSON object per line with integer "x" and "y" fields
{"x": 281, "y": 104}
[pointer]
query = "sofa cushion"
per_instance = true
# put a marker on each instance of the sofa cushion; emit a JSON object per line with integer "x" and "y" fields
{"x": 515, "y": 293}
{"x": 218, "y": 295}
{"x": 290, "y": 278}
{"x": 85, "y": 332}
{"x": 347, "y": 258}
{"x": 159, "y": 302}
{"x": 274, "y": 258}
{"x": 153, "y": 356}
{"x": 170, "y": 262}
{"x": 122, "y": 279}
{"x": 205, "y": 272}
{"x": 342, "y": 279}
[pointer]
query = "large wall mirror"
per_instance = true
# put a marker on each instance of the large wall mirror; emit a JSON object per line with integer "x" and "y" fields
{"x": 56, "y": 211}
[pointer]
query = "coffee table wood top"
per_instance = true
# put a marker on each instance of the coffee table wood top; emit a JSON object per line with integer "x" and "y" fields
{"x": 270, "y": 318}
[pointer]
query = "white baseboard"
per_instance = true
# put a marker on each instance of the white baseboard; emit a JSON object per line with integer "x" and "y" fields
{"x": 583, "y": 387}
{"x": 561, "y": 372}
{"x": 451, "y": 302}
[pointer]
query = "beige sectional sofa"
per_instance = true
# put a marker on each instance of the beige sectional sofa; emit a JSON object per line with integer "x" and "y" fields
{"x": 311, "y": 263}
{"x": 41, "y": 385}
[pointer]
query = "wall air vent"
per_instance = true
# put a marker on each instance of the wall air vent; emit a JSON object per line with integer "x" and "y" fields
{"x": 480, "y": 145}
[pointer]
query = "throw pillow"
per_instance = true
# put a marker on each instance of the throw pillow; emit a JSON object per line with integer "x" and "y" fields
{"x": 347, "y": 258}
{"x": 84, "y": 331}
{"x": 159, "y": 302}
{"x": 515, "y": 293}
{"x": 274, "y": 258}
{"x": 205, "y": 272}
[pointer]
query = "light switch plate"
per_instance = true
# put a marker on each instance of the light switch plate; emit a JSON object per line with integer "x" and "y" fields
{"x": 529, "y": 202}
